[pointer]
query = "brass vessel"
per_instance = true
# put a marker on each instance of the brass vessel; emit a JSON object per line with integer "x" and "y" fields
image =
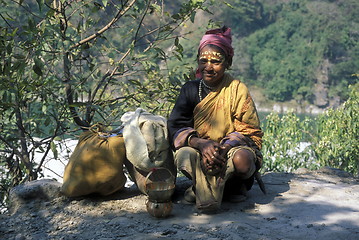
{"x": 159, "y": 194}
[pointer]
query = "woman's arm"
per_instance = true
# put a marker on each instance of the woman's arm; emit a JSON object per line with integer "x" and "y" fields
{"x": 180, "y": 122}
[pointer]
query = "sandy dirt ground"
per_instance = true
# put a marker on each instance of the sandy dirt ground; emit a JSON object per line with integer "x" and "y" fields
{"x": 321, "y": 205}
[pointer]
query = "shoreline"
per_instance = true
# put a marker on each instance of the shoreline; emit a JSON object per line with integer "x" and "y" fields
{"x": 286, "y": 107}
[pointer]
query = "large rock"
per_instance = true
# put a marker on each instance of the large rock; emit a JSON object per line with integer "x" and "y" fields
{"x": 43, "y": 190}
{"x": 321, "y": 88}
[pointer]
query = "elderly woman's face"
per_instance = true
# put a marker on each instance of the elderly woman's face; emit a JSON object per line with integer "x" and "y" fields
{"x": 212, "y": 65}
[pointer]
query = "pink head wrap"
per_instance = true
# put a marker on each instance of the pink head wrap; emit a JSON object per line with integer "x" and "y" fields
{"x": 220, "y": 37}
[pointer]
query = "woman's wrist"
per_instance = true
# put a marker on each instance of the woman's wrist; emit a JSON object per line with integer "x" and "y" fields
{"x": 190, "y": 140}
{"x": 225, "y": 148}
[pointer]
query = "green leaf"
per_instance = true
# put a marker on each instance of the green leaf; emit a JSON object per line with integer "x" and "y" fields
{"x": 57, "y": 138}
{"x": 40, "y": 3}
{"x": 41, "y": 150}
{"x": 161, "y": 52}
{"x": 38, "y": 66}
{"x": 176, "y": 16}
{"x": 4, "y": 96}
{"x": 193, "y": 15}
{"x": 50, "y": 13}
{"x": 9, "y": 48}
{"x": 54, "y": 149}
{"x": 97, "y": 6}
{"x": 47, "y": 122}
{"x": 19, "y": 56}
{"x": 44, "y": 108}
{"x": 135, "y": 82}
{"x": 228, "y": 4}
{"x": 178, "y": 56}
{"x": 37, "y": 69}
{"x": 77, "y": 104}
{"x": 18, "y": 64}
{"x": 156, "y": 7}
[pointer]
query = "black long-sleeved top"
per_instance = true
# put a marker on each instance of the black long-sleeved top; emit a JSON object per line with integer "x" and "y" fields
{"x": 182, "y": 113}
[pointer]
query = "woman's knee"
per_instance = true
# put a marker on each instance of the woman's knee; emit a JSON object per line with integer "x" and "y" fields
{"x": 185, "y": 159}
{"x": 244, "y": 163}
{"x": 185, "y": 155}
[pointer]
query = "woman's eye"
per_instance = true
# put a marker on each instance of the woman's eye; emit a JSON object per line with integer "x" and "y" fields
{"x": 216, "y": 62}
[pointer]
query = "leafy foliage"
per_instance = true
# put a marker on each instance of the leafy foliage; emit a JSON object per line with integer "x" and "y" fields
{"x": 284, "y": 146}
{"x": 330, "y": 139}
{"x": 82, "y": 62}
{"x": 292, "y": 41}
{"x": 338, "y": 131}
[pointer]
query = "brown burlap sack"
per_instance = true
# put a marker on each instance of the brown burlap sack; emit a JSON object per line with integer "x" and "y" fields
{"x": 95, "y": 166}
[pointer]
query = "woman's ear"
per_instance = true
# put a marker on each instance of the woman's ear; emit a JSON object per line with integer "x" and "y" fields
{"x": 228, "y": 63}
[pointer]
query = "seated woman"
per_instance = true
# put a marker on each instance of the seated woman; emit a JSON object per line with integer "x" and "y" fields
{"x": 214, "y": 128}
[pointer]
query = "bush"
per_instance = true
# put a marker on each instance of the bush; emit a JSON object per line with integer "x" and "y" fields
{"x": 330, "y": 139}
{"x": 284, "y": 144}
{"x": 338, "y": 133}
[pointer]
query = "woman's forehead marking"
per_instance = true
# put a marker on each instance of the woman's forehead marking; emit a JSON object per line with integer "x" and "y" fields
{"x": 211, "y": 55}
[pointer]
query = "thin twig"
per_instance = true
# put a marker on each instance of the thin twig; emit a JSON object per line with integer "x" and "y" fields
{"x": 105, "y": 28}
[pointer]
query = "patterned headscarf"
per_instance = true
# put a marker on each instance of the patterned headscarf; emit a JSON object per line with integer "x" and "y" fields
{"x": 220, "y": 37}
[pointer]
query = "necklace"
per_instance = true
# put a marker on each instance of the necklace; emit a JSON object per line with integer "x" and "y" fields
{"x": 201, "y": 83}
{"x": 204, "y": 84}
{"x": 200, "y": 91}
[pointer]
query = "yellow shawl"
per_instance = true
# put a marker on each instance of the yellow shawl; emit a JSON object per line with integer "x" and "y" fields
{"x": 228, "y": 108}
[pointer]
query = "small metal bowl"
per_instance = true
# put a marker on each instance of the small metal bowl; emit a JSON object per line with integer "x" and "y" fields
{"x": 160, "y": 191}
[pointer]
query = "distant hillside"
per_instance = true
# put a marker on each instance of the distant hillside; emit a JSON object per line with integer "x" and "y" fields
{"x": 303, "y": 51}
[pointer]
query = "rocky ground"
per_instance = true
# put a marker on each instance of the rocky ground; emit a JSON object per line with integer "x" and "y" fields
{"x": 317, "y": 205}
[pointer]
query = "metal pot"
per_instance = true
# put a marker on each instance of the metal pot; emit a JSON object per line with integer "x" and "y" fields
{"x": 159, "y": 209}
{"x": 160, "y": 191}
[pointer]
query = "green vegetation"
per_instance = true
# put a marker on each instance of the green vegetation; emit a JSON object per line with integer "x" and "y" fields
{"x": 289, "y": 55}
{"x": 337, "y": 134}
{"x": 66, "y": 65}
{"x": 293, "y": 49}
{"x": 284, "y": 147}
{"x": 330, "y": 139}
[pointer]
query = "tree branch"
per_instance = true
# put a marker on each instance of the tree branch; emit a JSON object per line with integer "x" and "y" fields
{"x": 24, "y": 153}
{"x": 105, "y": 28}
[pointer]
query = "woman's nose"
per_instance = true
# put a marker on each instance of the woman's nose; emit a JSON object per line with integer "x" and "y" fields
{"x": 208, "y": 65}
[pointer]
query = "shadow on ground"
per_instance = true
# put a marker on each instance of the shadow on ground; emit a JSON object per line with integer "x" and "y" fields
{"x": 312, "y": 205}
